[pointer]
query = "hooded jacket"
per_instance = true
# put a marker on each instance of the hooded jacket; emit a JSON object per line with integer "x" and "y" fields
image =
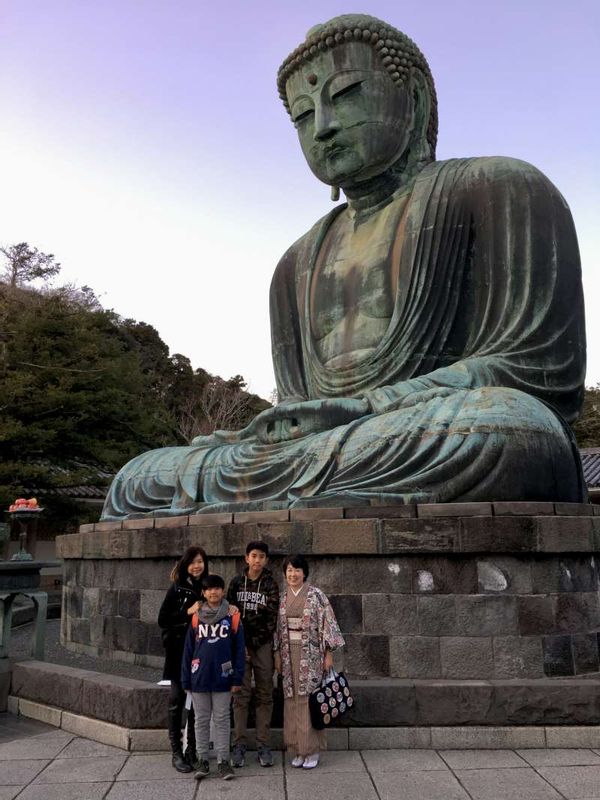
{"x": 258, "y": 602}
{"x": 213, "y": 658}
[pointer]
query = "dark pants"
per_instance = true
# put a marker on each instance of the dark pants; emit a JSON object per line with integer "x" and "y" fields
{"x": 177, "y": 697}
{"x": 259, "y": 662}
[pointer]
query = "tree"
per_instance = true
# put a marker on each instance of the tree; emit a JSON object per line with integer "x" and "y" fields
{"x": 75, "y": 401}
{"x": 25, "y": 264}
{"x": 587, "y": 427}
{"x": 83, "y": 390}
{"x": 212, "y": 403}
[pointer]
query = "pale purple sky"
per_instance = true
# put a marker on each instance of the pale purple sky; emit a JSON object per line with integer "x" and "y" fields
{"x": 143, "y": 143}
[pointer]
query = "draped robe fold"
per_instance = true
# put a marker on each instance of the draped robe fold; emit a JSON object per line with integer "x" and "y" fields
{"x": 471, "y": 387}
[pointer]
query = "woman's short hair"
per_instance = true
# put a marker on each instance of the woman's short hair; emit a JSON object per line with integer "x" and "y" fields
{"x": 180, "y": 570}
{"x": 298, "y": 562}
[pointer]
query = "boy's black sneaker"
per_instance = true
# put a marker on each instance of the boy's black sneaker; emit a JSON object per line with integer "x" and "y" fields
{"x": 238, "y": 756}
{"x": 225, "y": 770}
{"x": 265, "y": 756}
{"x": 203, "y": 769}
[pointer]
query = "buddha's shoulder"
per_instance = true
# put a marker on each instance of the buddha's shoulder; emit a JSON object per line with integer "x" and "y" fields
{"x": 484, "y": 171}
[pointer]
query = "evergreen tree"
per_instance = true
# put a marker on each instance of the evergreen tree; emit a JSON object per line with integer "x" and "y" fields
{"x": 24, "y": 264}
{"x": 75, "y": 396}
{"x": 82, "y": 390}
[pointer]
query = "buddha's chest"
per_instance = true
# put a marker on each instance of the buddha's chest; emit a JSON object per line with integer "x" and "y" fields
{"x": 354, "y": 285}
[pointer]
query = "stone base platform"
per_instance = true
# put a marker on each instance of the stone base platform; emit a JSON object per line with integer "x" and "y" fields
{"x": 131, "y": 714}
{"x": 379, "y": 703}
{"x": 485, "y": 604}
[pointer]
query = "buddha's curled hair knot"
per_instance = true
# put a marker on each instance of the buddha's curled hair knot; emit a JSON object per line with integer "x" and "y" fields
{"x": 399, "y": 55}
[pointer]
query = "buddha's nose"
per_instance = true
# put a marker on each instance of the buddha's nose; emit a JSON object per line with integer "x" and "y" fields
{"x": 326, "y": 123}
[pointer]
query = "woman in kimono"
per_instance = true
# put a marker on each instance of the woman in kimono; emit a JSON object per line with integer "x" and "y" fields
{"x": 307, "y": 633}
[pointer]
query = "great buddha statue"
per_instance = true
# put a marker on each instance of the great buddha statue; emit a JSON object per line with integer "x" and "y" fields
{"x": 427, "y": 336}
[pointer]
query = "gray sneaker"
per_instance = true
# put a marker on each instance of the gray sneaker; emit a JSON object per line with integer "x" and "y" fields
{"x": 203, "y": 769}
{"x": 238, "y": 756}
{"x": 225, "y": 771}
{"x": 265, "y": 756}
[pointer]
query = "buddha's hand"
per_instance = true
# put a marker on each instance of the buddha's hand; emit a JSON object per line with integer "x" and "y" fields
{"x": 421, "y": 396}
{"x": 296, "y": 420}
{"x": 218, "y": 438}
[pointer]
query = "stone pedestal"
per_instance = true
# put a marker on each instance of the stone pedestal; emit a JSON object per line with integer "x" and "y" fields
{"x": 452, "y": 614}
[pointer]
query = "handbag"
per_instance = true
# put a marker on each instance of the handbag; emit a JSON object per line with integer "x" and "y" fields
{"x": 330, "y": 701}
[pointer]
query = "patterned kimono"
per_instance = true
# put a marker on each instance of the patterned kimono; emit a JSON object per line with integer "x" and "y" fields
{"x": 302, "y": 653}
{"x": 320, "y": 631}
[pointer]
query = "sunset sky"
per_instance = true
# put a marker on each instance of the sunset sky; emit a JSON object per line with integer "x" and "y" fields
{"x": 144, "y": 144}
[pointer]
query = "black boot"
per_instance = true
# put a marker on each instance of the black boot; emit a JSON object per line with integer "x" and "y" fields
{"x": 191, "y": 754}
{"x": 178, "y": 761}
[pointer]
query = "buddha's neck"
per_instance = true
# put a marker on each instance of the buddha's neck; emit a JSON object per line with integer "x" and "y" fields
{"x": 373, "y": 193}
{"x": 380, "y": 190}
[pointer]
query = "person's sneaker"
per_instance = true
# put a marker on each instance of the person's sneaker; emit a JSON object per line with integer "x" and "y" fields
{"x": 265, "y": 756}
{"x": 238, "y": 755}
{"x": 298, "y": 761}
{"x": 225, "y": 771}
{"x": 203, "y": 769}
{"x": 310, "y": 762}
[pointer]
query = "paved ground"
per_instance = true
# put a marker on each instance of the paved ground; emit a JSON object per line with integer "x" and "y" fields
{"x": 42, "y": 763}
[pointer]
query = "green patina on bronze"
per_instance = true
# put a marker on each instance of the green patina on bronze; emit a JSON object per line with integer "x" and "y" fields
{"x": 427, "y": 336}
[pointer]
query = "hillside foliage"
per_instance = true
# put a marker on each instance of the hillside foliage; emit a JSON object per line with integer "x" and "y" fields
{"x": 83, "y": 390}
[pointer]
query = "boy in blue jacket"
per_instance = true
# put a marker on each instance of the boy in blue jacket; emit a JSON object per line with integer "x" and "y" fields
{"x": 213, "y": 668}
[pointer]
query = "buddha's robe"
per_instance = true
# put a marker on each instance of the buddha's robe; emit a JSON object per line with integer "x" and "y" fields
{"x": 471, "y": 387}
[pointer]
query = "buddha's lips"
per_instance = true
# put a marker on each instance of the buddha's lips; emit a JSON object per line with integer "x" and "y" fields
{"x": 333, "y": 150}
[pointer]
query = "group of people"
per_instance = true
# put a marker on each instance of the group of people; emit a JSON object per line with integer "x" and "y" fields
{"x": 217, "y": 641}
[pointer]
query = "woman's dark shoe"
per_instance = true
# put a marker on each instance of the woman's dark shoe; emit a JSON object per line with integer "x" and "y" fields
{"x": 179, "y": 762}
{"x": 191, "y": 756}
{"x": 174, "y": 721}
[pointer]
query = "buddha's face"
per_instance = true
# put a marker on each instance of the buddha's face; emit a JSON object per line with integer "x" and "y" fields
{"x": 353, "y": 122}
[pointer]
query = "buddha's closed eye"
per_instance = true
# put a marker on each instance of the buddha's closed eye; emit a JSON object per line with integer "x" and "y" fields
{"x": 347, "y": 91}
{"x": 304, "y": 115}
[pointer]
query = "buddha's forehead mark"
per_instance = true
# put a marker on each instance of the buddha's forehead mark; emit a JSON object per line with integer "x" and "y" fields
{"x": 320, "y": 70}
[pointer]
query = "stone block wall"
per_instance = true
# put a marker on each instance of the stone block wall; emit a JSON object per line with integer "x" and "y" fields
{"x": 465, "y": 591}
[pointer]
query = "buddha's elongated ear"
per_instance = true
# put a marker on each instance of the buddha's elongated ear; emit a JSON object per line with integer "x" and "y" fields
{"x": 420, "y": 148}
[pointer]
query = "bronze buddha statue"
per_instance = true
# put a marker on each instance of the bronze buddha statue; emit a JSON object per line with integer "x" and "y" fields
{"x": 427, "y": 336}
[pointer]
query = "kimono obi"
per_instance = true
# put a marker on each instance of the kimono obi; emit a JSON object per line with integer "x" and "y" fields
{"x": 295, "y": 629}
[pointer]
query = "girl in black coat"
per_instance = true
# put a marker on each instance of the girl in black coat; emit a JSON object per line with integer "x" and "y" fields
{"x": 182, "y": 600}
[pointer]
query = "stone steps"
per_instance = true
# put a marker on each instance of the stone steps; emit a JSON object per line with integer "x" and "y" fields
{"x": 387, "y": 703}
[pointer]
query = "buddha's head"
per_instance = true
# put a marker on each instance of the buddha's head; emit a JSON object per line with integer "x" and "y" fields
{"x": 361, "y": 96}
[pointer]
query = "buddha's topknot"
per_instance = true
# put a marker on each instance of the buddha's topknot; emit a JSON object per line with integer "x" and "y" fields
{"x": 399, "y": 55}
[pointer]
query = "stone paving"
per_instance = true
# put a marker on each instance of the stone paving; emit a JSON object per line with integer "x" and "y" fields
{"x": 42, "y": 763}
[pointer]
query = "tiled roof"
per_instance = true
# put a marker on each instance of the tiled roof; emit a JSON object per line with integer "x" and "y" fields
{"x": 79, "y": 492}
{"x": 590, "y": 460}
{"x": 94, "y": 485}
